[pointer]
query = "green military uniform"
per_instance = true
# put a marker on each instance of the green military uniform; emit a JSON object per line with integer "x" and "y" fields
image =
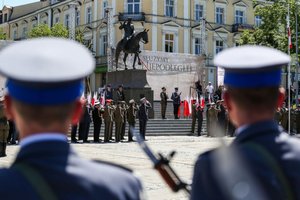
{"x": 163, "y": 102}
{"x": 131, "y": 117}
{"x": 212, "y": 114}
{"x": 124, "y": 106}
{"x": 119, "y": 120}
{"x": 194, "y": 116}
{"x": 108, "y": 121}
{"x": 4, "y": 128}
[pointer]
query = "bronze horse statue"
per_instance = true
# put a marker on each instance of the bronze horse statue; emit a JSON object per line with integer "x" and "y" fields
{"x": 132, "y": 47}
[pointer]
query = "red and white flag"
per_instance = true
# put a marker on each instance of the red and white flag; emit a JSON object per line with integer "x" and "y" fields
{"x": 289, "y": 32}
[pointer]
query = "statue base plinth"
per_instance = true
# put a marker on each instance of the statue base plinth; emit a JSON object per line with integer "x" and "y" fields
{"x": 135, "y": 85}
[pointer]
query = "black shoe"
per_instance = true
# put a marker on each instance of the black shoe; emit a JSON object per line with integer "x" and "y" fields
{"x": 74, "y": 141}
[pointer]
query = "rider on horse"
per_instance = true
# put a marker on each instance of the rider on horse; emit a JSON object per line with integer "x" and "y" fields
{"x": 128, "y": 29}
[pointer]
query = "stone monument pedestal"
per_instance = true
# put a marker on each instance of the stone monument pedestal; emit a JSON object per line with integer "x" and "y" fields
{"x": 135, "y": 85}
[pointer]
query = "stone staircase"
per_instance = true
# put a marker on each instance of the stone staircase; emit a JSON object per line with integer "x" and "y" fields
{"x": 162, "y": 127}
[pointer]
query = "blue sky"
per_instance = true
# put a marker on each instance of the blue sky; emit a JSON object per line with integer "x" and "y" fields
{"x": 16, "y": 2}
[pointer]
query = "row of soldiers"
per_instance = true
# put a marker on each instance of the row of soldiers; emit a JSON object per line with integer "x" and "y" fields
{"x": 217, "y": 119}
{"x": 118, "y": 114}
{"x": 282, "y": 118}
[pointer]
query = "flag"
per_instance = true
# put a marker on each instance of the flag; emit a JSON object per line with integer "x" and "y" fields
{"x": 94, "y": 99}
{"x": 289, "y": 32}
{"x": 89, "y": 98}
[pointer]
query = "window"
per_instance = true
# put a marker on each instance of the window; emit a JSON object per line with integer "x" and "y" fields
{"x": 104, "y": 45}
{"x": 77, "y": 18}
{"x": 169, "y": 43}
{"x": 88, "y": 15}
{"x": 45, "y": 22}
{"x": 197, "y": 46}
{"x": 258, "y": 20}
{"x": 67, "y": 20}
{"x": 133, "y": 6}
{"x": 239, "y": 17}
{"x": 219, "y": 46}
{"x": 5, "y": 17}
{"x": 15, "y": 34}
{"x": 198, "y": 12}
{"x": 24, "y": 32}
{"x": 105, "y": 5}
{"x": 34, "y": 23}
{"x": 219, "y": 15}
{"x": 170, "y": 8}
{"x": 56, "y": 20}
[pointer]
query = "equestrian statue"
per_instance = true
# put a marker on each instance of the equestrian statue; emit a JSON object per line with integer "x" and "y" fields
{"x": 130, "y": 43}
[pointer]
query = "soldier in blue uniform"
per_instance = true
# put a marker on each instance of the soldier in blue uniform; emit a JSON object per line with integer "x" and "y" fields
{"x": 44, "y": 88}
{"x": 262, "y": 162}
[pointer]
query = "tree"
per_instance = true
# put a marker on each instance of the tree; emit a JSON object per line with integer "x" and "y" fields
{"x": 41, "y": 30}
{"x": 2, "y": 35}
{"x": 59, "y": 30}
{"x": 273, "y": 31}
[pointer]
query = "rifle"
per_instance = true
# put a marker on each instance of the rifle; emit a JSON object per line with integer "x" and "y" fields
{"x": 162, "y": 165}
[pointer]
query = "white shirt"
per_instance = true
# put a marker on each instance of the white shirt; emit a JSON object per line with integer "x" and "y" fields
{"x": 210, "y": 89}
{"x": 43, "y": 137}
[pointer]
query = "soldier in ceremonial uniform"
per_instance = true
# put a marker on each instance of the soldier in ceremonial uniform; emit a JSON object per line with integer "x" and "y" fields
{"x": 284, "y": 117}
{"x": 131, "y": 117}
{"x": 176, "y": 102}
{"x": 194, "y": 115}
{"x": 4, "y": 129}
{"x": 163, "y": 102}
{"x": 143, "y": 115}
{"x": 199, "y": 115}
{"x": 46, "y": 166}
{"x": 124, "y": 109}
{"x": 119, "y": 120}
{"x": 108, "y": 120}
{"x": 97, "y": 120}
{"x": 212, "y": 115}
{"x": 263, "y": 161}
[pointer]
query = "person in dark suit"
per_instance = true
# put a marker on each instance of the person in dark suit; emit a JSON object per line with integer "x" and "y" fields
{"x": 97, "y": 121}
{"x": 176, "y": 102}
{"x": 143, "y": 115}
{"x": 263, "y": 161}
{"x": 163, "y": 102}
{"x": 120, "y": 93}
{"x": 84, "y": 124}
{"x": 46, "y": 166}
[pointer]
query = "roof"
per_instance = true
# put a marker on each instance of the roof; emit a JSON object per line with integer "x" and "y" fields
{"x": 19, "y": 11}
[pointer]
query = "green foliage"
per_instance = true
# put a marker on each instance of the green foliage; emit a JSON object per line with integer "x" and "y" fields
{"x": 273, "y": 31}
{"x": 41, "y": 30}
{"x": 59, "y": 30}
{"x": 2, "y": 35}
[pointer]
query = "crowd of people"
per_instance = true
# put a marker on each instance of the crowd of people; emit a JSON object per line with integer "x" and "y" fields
{"x": 115, "y": 113}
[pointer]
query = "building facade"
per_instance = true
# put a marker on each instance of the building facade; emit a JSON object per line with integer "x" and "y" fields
{"x": 175, "y": 26}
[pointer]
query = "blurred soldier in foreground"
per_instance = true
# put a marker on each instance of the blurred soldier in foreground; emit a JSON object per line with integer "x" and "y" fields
{"x": 46, "y": 166}
{"x": 4, "y": 129}
{"x": 262, "y": 162}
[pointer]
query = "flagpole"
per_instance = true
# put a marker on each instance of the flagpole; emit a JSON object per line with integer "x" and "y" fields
{"x": 289, "y": 70}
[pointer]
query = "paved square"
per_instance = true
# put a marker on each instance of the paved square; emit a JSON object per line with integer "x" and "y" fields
{"x": 130, "y": 155}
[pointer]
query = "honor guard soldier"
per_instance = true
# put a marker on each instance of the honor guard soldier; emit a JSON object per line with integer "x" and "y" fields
{"x": 108, "y": 117}
{"x": 163, "y": 102}
{"x": 131, "y": 117}
{"x": 119, "y": 120}
{"x": 123, "y": 129}
{"x": 194, "y": 115}
{"x": 4, "y": 129}
{"x": 212, "y": 115}
{"x": 199, "y": 114}
{"x": 97, "y": 120}
{"x": 44, "y": 85}
{"x": 263, "y": 161}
